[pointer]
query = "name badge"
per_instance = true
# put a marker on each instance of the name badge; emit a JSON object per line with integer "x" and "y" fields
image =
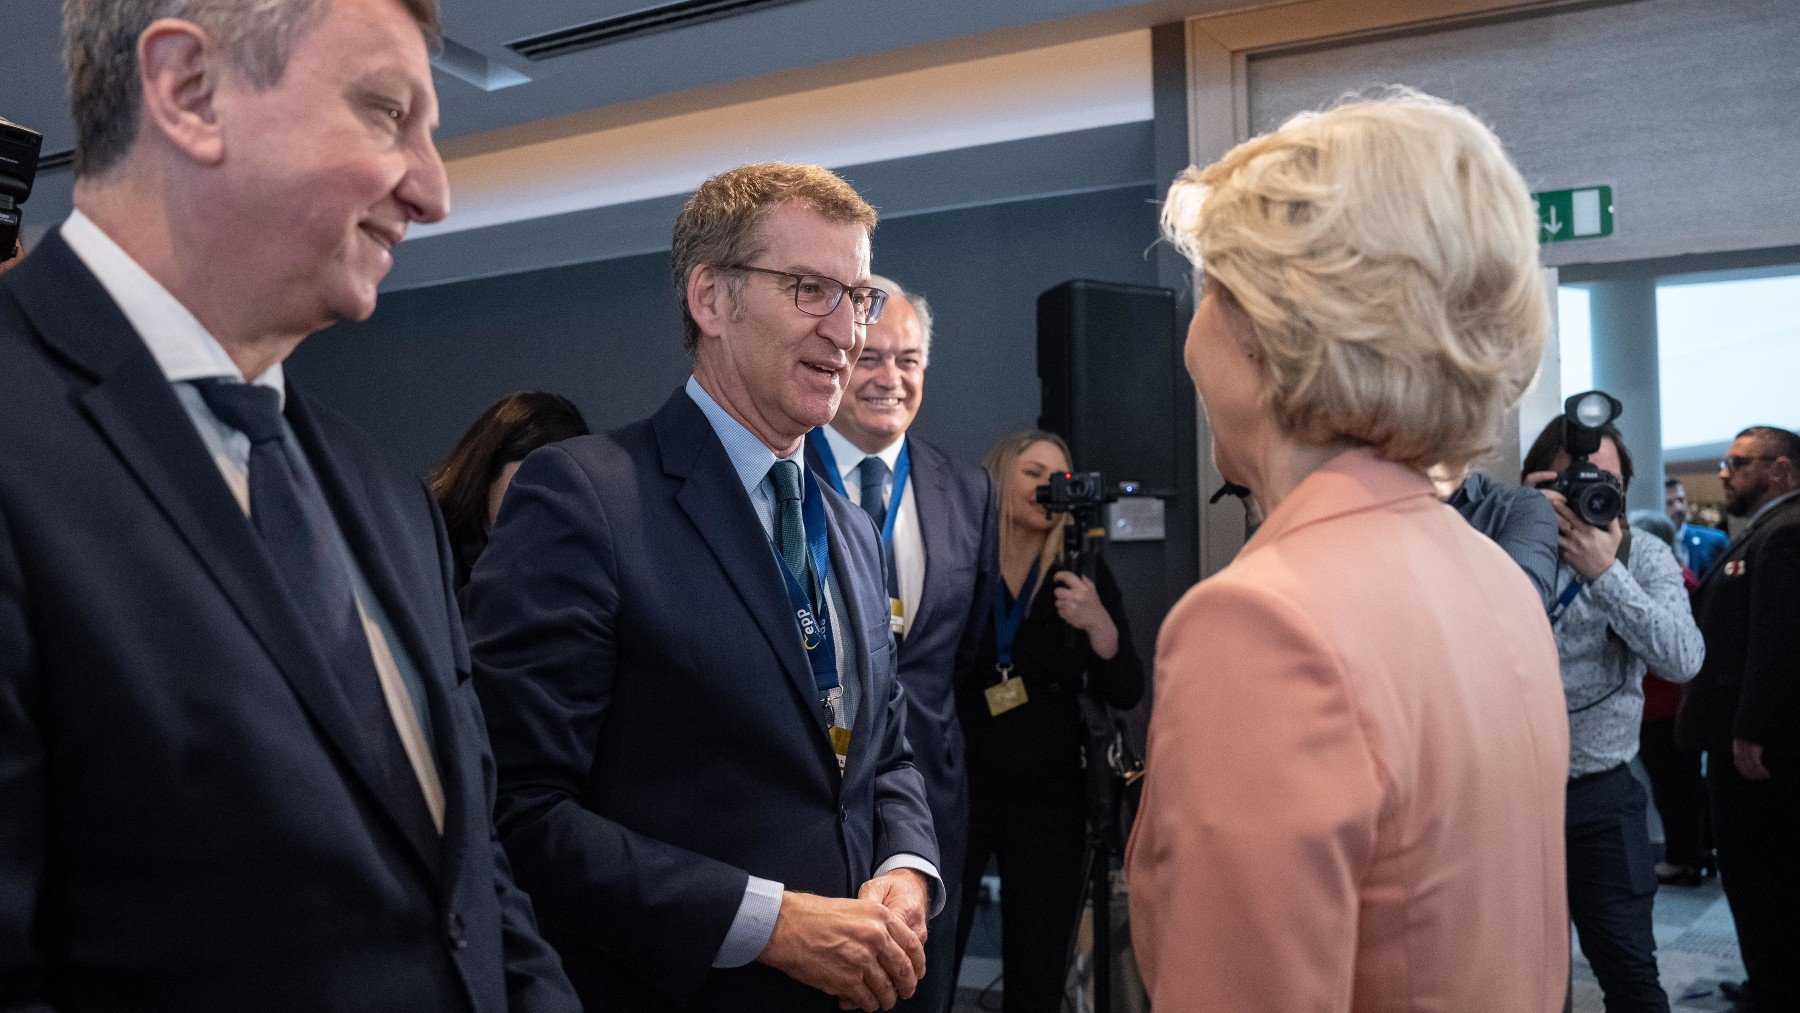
{"x": 896, "y": 616}
{"x": 1008, "y": 694}
{"x": 840, "y": 744}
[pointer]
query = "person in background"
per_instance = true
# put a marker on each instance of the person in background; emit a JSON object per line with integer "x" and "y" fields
{"x": 242, "y": 766}
{"x": 1628, "y": 613}
{"x": 1696, "y": 545}
{"x": 1054, "y": 635}
{"x": 682, "y": 644}
{"x": 472, "y": 481}
{"x": 1676, "y": 783}
{"x": 1743, "y": 711}
{"x": 944, "y": 515}
{"x": 1353, "y": 795}
{"x": 1518, "y": 520}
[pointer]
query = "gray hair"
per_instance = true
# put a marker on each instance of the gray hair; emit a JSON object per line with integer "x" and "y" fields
{"x": 100, "y": 40}
{"x": 1654, "y": 522}
{"x": 896, "y": 291}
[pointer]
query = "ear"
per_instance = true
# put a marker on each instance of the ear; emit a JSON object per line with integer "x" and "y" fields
{"x": 1239, "y": 325}
{"x": 178, "y": 71}
{"x": 710, "y": 300}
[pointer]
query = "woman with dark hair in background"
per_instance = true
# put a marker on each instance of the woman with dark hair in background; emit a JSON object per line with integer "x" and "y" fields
{"x": 1023, "y": 723}
{"x": 471, "y": 482}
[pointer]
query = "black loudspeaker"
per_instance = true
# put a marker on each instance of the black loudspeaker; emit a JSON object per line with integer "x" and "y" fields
{"x": 1115, "y": 387}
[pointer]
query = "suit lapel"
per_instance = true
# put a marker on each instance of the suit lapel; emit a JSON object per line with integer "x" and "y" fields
{"x": 138, "y": 414}
{"x": 719, "y": 508}
{"x": 353, "y": 506}
{"x": 931, "y": 491}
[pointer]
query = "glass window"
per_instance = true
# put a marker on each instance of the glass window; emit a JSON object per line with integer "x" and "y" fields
{"x": 1729, "y": 345}
{"x": 1575, "y": 338}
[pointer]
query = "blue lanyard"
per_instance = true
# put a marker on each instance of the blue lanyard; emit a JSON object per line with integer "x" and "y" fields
{"x": 902, "y": 472}
{"x": 1009, "y": 613}
{"x": 810, "y": 608}
{"x": 1563, "y": 600}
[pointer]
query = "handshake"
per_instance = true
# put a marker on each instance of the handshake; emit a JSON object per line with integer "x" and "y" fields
{"x": 868, "y": 952}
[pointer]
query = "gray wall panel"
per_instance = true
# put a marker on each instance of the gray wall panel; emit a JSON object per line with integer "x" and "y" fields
{"x": 1690, "y": 109}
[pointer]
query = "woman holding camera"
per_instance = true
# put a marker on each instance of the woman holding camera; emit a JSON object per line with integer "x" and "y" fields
{"x": 1621, "y": 608}
{"x": 1054, "y": 634}
{"x": 1354, "y": 785}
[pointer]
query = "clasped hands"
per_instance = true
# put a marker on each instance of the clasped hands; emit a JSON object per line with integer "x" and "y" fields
{"x": 868, "y": 952}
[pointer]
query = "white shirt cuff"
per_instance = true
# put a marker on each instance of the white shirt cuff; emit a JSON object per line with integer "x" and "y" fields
{"x": 755, "y": 923}
{"x": 906, "y": 860}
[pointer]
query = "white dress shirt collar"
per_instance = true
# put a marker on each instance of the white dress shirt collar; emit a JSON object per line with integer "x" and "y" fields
{"x": 849, "y": 456}
{"x": 750, "y": 456}
{"x": 182, "y": 346}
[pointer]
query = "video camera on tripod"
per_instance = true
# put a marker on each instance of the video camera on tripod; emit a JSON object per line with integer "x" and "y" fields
{"x": 1112, "y": 765}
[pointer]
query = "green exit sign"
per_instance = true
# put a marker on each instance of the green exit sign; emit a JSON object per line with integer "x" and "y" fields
{"x": 1584, "y": 213}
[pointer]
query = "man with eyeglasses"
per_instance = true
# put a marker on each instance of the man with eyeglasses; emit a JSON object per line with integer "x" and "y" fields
{"x": 682, "y": 643}
{"x": 937, "y": 521}
{"x": 1743, "y": 710}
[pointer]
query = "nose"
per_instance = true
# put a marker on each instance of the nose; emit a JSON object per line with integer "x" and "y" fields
{"x": 841, "y": 329}
{"x": 425, "y": 190}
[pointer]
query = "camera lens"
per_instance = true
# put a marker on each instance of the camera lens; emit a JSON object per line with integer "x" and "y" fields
{"x": 1599, "y": 505}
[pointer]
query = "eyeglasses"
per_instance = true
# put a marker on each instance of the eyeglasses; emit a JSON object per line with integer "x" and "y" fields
{"x": 1736, "y": 462}
{"x": 819, "y": 296}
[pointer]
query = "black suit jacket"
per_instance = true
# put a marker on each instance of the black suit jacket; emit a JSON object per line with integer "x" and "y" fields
{"x": 655, "y": 720}
{"x": 1748, "y": 608}
{"x": 188, "y": 820}
{"x": 957, "y": 524}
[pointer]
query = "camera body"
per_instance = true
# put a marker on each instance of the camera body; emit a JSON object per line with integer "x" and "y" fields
{"x": 1594, "y": 495}
{"x": 19, "y": 149}
{"x": 1071, "y": 492}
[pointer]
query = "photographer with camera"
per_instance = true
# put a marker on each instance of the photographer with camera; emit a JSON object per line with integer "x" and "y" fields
{"x": 1621, "y": 608}
{"x": 1023, "y": 722}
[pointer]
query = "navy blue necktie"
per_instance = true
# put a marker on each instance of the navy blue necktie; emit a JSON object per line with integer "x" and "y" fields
{"x": 290, "y": 515}
{"x": 873, "y": 474}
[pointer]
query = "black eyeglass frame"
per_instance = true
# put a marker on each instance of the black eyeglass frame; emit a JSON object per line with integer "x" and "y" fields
{"x": 878, "y": 297}
{"x": 1734, "y": 462}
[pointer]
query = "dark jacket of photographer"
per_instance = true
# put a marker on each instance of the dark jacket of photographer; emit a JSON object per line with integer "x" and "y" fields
{"x": 1042, "y": 740}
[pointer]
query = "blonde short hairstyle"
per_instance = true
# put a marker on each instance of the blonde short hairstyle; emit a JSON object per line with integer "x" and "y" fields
{"x": 1385, "y": 251}
{"x": 721, "y": 224}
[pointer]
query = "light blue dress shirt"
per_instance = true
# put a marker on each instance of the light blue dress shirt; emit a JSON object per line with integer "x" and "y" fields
{"x": 755, "y": 921}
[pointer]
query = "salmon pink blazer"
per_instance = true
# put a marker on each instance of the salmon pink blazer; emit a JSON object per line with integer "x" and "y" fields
{"x": 1356, "y": 767}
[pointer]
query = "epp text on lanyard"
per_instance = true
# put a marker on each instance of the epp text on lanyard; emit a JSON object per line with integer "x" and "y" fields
{"x": 1009, "y": 615}
{"x": 813, "y": 615}
{"x": 902, "y": 472}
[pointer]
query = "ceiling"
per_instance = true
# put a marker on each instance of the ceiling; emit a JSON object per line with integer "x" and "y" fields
{"x": 792, "y": 36}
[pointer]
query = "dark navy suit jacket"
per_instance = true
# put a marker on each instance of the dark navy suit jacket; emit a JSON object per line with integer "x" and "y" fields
{"x": 189, "y": 819}
{"x": 655, "y": 720}
{"x": 1748, "y": 607}
{"x": 958, "y": 526}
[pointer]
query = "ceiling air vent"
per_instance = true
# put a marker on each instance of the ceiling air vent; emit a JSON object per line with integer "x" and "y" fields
{"x": 637, "y": 24}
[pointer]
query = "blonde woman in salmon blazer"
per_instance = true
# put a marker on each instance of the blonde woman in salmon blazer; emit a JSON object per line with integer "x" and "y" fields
{"x": 1358, "y": 750}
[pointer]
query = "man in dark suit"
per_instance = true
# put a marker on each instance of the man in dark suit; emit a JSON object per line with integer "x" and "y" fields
{"x": 936, "y": 517}
{"x": 241, "y": 763}
{"x": 683, "y": 650}
{"x": 1743, "y": 709}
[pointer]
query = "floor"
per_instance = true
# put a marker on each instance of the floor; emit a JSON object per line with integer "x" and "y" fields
{"x": 1696, "y": 948}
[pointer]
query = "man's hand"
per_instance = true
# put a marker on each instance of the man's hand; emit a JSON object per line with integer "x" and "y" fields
{"x": 1589, "y": 551}
{"x": 906, "y": 892}
{"x": 1748, "y": 756}
{"x": 856, "y": 950}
